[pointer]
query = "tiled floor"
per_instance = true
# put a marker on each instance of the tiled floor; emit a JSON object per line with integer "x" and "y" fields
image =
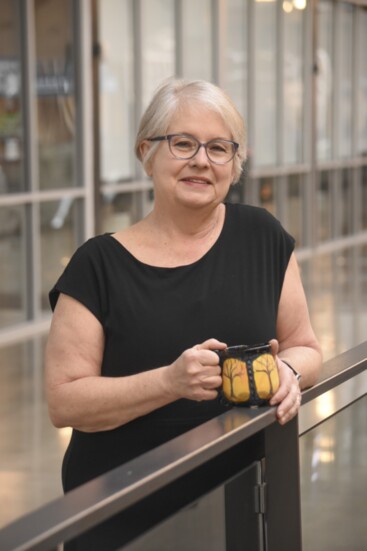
{"x": 31, "y": 449}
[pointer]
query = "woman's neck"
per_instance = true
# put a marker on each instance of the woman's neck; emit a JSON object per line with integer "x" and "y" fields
{"x": 169, "y": 241}
{"x": 187, "y": 223}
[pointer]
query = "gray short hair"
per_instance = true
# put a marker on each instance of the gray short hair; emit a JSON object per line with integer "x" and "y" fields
{"x": 171, "y": 95}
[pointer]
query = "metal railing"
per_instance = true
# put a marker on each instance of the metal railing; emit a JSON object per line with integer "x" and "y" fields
{"x": 156, "y": 485}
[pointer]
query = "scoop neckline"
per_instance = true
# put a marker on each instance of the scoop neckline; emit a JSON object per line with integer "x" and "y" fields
{"x": 180, "y": 266}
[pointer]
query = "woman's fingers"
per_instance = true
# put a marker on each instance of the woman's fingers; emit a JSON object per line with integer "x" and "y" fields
{"x": 196, "y": 373}
{"x": 274, "y": 346}
{"x": 289, "y": 407}
{"x": 288, "y": 396}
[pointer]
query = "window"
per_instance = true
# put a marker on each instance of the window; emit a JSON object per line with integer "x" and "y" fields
{"x": 267, "y": 194}
{"x": 55, "y": 85}
{"x": 362, "y": 83}
{"x": 116, "y": 91}
{"x": 121, "y": 210}
{"x": 293, "y": 72}
{"x": 11, "y": 133}
{"x": 265, "y": 151}
{"x": 158, "y": 44}
{"x": 364, "y": 199}
{"x": 197, "y": 46}
{"x": 324, "y": 206}
{"x": 56, "y": 244}
{"x": 324, "y": 83}
{"x": 295, "y": 208}
{"x": 235, "y": 54}
{"x": 344, "y": 202}
{"x": 12, "y": 262}
{"x": 344, "y": 82}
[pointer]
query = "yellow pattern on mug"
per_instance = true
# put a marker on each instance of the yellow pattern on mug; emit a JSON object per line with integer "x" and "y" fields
{"x": 236, "y": 387}
{"x": 266, "y": 376}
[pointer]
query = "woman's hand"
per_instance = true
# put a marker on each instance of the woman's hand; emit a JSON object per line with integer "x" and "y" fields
{"x": 196, "y": 374}
{"x": 288, "y": 395}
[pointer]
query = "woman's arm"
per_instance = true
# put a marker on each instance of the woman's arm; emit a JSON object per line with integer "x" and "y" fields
{"x": 297, "y": 341}
{"x": 297, "y": 344}
{"x": 77, "y": 394}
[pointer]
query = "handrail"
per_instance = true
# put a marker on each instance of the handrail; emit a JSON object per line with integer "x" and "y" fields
{"x": 335, "y": 373}
{"x": 126, "y": 485}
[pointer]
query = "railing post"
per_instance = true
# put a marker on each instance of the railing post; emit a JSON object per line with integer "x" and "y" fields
{"x": 282, "y": 477}
{"x": 244, "y": 522}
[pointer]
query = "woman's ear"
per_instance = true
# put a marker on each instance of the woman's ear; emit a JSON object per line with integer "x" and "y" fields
{"x": 143, "y": 149}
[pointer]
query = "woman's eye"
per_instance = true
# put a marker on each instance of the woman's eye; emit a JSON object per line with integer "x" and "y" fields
{"x": 184, "y": 144}
{"x": 218, "y": 148}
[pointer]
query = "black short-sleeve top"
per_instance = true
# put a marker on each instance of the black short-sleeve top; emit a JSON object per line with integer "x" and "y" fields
{"x": 150, "y": 315}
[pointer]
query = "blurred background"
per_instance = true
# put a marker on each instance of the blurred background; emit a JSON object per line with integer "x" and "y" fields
{"x": 75, "y": 77}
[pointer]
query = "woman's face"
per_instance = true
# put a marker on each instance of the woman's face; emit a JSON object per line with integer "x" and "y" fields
{"x": 194, "y": 182}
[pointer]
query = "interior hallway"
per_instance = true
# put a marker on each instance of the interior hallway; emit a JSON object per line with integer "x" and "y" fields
{"x": 31, "y": 449}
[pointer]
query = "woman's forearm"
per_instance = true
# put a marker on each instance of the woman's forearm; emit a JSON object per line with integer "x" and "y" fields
{"x": 307, "y": 360}
{"x": 93, "y": 403}
{"x": 99, "y": 403}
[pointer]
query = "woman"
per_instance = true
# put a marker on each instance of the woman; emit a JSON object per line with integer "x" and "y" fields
{"x": 137, "y": 314}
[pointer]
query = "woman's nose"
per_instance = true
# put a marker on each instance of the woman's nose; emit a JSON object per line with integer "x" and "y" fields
{"x": 201, "y": 157}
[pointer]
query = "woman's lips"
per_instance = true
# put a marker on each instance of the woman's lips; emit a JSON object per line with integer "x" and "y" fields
{"x": 196, "y": 181}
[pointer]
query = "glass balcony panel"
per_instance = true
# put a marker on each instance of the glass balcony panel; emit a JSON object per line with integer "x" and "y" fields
{"x": 198, "y": 526}
{"x": 11, "y": 129}
{"x": 13, "y": 270}
{"x": 333, "y": 481}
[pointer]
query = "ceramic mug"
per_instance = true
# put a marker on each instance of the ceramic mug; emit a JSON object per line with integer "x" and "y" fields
{"x": 249, "y": 374}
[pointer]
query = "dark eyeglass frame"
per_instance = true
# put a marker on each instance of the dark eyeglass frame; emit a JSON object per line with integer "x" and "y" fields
{"x": 169, "y": 137}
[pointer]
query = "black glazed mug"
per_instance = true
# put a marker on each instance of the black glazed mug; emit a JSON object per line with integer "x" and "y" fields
{"x": 249, "y": 374}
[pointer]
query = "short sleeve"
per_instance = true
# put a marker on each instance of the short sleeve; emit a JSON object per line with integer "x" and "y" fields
{"x": 272, "y": 246}
{"x": 84, "y": 280}
{"x": 284, "y": 245}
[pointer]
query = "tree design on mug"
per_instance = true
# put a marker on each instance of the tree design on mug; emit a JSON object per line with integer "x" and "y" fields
{"x": 266, "y": 376}
{"x": 252, "y": 382}
{"x": 236, "y": 387}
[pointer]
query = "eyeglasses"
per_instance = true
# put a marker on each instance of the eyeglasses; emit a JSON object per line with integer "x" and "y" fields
{"x": 184, "y": 147}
